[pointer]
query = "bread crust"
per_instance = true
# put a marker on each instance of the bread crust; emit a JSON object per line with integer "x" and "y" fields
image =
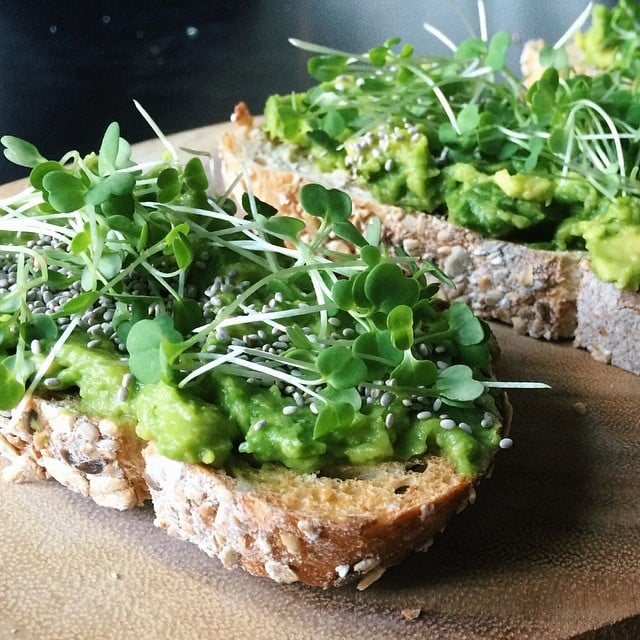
{"x": 258, "y": 520}
{"x": 97, "y": 457}
{"x": 535, "y": 291}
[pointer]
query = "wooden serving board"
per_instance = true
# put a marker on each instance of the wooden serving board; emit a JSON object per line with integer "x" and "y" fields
{"x": 550, "y": 549}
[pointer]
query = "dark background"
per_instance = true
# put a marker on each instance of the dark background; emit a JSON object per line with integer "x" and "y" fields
{"x": 67, "y": 69}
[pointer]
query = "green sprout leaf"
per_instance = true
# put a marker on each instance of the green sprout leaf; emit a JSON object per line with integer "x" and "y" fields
{"x": 64, "y": 192}
{"x": 456, "y": 383}
{"x": 412, "y": 372}
{"x": 466, "y": 328}
{"x": 108, "y": 156}
{"x": 298, "y": 338}
{"x": 400, "y": 325}
{"x": 42, "y": 327}
{"x": 144, "y": 343}
{"x": 195, "y": 176}
{"x": 333, "y": 417}
{"x": 327, "y": 67}
{"x": 340, "y": 368}
{"x": 498, "y": 46}
{"x": 182, "y": 250}
{"x": 331, "y": 204}
{"x": 187, "y": 315}
{"x": 21, "y": 152}
{"x": 79, "y": 303}
{"x": 41, "y": 170}
{"x": 284, "y": 227}
{"x": 342, "y": 294}
{"x": 168, "y": 185}
{"x": 386, "y": 287}
{"x": 11, "y": 390}
{"x": 377, "y": 351}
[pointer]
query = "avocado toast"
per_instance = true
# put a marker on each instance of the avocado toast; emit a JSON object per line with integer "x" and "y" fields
{"x": 526, "y": 195}
{"x": 274, "y": 396}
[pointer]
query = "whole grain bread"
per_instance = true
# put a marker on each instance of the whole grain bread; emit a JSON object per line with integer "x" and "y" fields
{"x": 321, "y": 529}
{"x": 325, "y": 529}
{"x": 97, "y": 457}
{"x": 536, "y": 291}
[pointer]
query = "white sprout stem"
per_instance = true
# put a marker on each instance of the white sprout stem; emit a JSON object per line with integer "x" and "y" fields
{"x": 272, "y": 323}
{"x": 279, "y": 375}
{"x": 18, "y": 225}
{"x": 288, "y": 362}
{"x": 482, "y": 21}
{"x": 475, "y": 73}
{"x": 442, "y": 99}
{"x": 575, "y": 27}
{"x": 157, "y": 275}
{"x": 316, "y": 48}
{"x": 610, "y": 124}
{"x": 434, "y": 31}
{"x": 156, "y": 129}
{"x": 495, "y": 384}
{"x": 271, "y": 315}
{"x": 219, "y": 360}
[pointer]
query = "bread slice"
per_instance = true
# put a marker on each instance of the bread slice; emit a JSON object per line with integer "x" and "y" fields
{"x": 536, "y": 291}
{"x": 324, "y": 530}
{"x": 99, "y": 458}
{"x": 609, "y": 323}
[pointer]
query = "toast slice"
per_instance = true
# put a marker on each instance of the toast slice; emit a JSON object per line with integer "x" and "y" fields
{"x": 536, "y": 291}
{"x": 321, "y": 529}
{"x": 99, "y": 458}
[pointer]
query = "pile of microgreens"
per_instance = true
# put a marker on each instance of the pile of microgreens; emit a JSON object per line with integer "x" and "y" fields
{"x": 474, "y": 109}
{"x": 115, "y": 219}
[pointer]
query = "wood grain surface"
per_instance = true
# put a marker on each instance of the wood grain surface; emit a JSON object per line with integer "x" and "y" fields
{"x": 550, "y": 549}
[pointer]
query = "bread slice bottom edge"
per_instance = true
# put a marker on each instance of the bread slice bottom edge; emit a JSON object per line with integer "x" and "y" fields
{"x": 318, "y": 530}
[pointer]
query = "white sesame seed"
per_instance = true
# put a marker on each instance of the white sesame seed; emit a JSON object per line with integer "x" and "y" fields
{"x": 437, "y": 403}
{"x": 386, "y": 399}
{"x": 259, "y": 425}
{"x": 127, "y": 379}
{"x": 388, "y": 421}
{"x": 289, "y": 410}
{"x": 506, "y": 443}
{"x": 424, "y": 415}
{"x": 487, "y": 421}
{"x": 447, "y": 423}
{"x": 465, "y": 427}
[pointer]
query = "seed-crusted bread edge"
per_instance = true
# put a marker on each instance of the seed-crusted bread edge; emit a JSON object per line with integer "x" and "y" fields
{"x": 253, "y": 521}
{"x": 536, "y": 291}
{"x": 97, "y": 457}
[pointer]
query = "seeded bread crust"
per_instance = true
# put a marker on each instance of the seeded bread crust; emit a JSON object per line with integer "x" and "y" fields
{"x": 320, "y": 530}
{"x": 99, "y": 458}
{"x": 535, "y": 291}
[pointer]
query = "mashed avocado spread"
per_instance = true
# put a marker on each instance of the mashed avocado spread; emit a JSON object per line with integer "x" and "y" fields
{"x": 549, "y": 165}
